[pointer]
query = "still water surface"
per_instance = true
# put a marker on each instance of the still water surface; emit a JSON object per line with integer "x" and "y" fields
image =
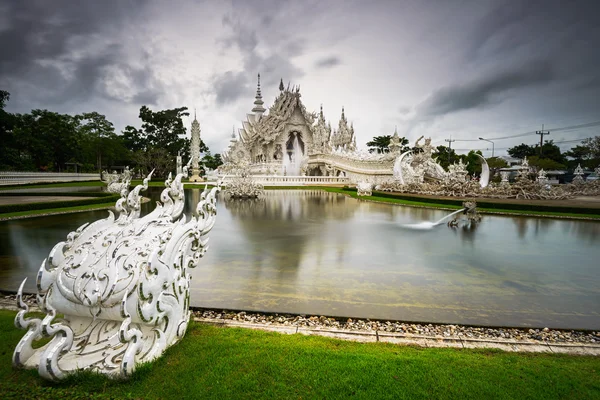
{"x": 322, "y": 253}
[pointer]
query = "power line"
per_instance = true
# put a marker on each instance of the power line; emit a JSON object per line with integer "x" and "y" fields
{"x": 564, "y": 128}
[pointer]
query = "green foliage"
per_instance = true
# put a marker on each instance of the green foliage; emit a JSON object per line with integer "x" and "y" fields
{"x": 445, "y": 156}
{"x": 545, "y": 163}
{"x": 521, "y": 151}
{"x": 379, "y": 143}
{"x": 496, "y": 163}
{"x": 587, "y": 154}
{"x": 212, "y": 162}
{"x": 472, "y": 161}
{"x": 552, "y": 152}
{"x": 551, "y": 157}
{"x": 158, "y": 142}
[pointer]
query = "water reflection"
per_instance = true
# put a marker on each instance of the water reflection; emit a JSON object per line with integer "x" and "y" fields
{"x": 323, "y": 253}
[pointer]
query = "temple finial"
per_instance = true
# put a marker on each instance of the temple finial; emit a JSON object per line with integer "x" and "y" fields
{"x": 281, "y": 87}
{"x": 258, "y": 102}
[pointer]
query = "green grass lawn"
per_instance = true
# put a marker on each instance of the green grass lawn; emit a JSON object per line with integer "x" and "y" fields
{"x": 233, "y": 363}
{"x": 54, "y": 185}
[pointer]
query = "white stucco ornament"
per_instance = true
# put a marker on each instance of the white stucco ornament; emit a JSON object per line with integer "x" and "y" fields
{"x": 121, "y": 284}
{"x": 364, "y": 188}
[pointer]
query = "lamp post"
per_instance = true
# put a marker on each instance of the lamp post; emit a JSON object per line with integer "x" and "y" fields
{"x": 491, "y": 143}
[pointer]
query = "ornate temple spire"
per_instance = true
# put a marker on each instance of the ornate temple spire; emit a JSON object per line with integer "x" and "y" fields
{"x": 258, "y": 103}
{"x": 343, "y": 116}
{"x": 233, "y": 133}
{"x": 281, "y": 87}
{"x": 195, "y": 142}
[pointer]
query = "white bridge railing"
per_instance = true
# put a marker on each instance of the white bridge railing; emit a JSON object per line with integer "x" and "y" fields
{"x": 270, "y": 180}
{"x": 18, "y": 178}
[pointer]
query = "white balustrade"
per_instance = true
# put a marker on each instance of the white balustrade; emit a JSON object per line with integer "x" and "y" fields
{"x": 272, "y": 180}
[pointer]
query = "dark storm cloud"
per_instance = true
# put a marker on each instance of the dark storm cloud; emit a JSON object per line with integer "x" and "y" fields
{"x": 482, "y": 92}
{"x": 46, "y": 48}
{"x": 567, "y": 33}
{"x": 328, "y": 62}
{"x": 231, "y": 86}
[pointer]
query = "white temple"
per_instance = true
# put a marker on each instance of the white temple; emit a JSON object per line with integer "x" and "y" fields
{"x": 289, "y": 140}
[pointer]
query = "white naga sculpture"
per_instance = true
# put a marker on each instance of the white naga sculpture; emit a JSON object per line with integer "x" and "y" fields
{"x": 122, "y": 285}
{"x": 116, "y": 183}
{"x": 364, "y": 189}
{"x": 415, "y": 168}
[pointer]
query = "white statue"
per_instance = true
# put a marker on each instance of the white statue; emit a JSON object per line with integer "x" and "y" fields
{"x": 122, "y": 285}
{"x": 578, "y": 174}
{"x": 364, "y": 189}
{"x": 115, "y": 183}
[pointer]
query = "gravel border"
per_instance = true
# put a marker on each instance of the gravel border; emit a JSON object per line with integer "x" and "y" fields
{"x": 397, "y": 332}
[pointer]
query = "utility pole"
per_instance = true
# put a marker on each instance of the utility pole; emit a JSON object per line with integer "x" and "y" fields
{"x": 542, "y": 133}
{"x": 449, "y": 146}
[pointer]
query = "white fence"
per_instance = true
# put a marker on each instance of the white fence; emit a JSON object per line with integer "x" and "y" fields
{"x": 270, "y": 180}
{"x": 19, "y": 178}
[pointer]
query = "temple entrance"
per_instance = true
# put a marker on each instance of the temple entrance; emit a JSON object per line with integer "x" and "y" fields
{"x": 294, "y": 146}
{"x": 294, "y": 154}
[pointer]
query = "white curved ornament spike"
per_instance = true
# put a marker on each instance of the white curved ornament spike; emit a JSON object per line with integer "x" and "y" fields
{"x": 398, "y": 167}
{"x": 122, "y": 286}
{"x": 484, "y": 180}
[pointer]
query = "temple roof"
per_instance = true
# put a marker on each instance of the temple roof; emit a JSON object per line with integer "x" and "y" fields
{"x": 267, "y": 128}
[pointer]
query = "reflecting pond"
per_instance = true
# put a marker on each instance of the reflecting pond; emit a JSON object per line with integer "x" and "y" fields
{"x": 319, "y": 253}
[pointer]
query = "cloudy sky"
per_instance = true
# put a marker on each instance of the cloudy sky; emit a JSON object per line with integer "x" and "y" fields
{"x": 451, "y": 68}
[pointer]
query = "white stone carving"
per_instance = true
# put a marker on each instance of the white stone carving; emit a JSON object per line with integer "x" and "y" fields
{"x": 578, "y": 174}
{"x": 116, "y": 183}
{"x": 122, "y": 285}
{"x": 542, "y": 177}
{"x": 242, "y": 185}
{"x": 364, "y": 189}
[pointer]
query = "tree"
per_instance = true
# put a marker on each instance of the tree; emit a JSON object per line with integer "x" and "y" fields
{"x": 521, "y": 151}
{"x": 551, "y": 151}
{"x": 593, "y": 144}
{"x": 587, "y": 153}
{"x": 156, "y": 158}
{"x": 9, "y": 154}
{"x": 546, "y": 164}
{"x": 495, "y": 163}
{"x": 380, "y": 143}
{"x": 160, "y": 130}
{"x": 445, "y": 156}
{"x": 212, "y": 162}
{"x": 472, "y": 161}
{"x": 99, "y": 141}
{"x": 4, "y": 97}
